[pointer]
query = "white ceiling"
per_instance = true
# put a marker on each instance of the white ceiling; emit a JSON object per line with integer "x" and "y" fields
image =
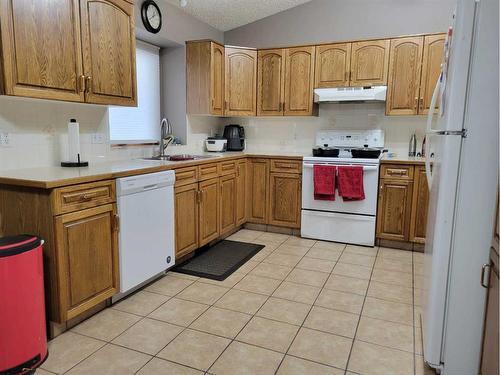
{"x": 229, "y": 14}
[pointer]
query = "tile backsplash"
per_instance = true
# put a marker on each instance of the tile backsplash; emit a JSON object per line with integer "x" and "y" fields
{"x": 37, "y": 131}
{"x": 298, "y": 134}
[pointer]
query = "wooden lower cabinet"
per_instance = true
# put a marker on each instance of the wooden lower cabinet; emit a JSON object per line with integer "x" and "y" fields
{"x": 285, "y": 199}
{"x": 208, "y": 214}
{"x": 403, "y": 203}
{"x": 420, "y": 206}
{"x": 241, "y": 187}
{"x": 186, "y": 219}
{"x": 394, "y": 209}
{"x": 227, "y": 204}
{"x": 258, "y": 187}
{"x": 87, "y": 258}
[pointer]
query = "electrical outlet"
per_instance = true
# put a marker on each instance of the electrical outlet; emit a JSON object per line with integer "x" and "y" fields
{"x": 4, "y": 139}
{"x": 97, "y": 138}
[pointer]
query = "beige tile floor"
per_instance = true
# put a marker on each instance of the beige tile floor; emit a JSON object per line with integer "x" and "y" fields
{"x": 297, "y": 307}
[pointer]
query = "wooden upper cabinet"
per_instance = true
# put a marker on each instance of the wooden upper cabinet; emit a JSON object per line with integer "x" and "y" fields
{"x": 205, "y": 62}
{"x": 333, "y": 64}
{"x": 431, "y": 68}
{"x": 270, "y": 82}
{"x": 404, "y": 76}
{"x": 420, "y": 206}
{"x": 217, "y": 60}
{"x": 369, "y": 63}
{"x": 299, "y": 81}
{"x": 240, "y": 82}
{"x": 87, "y": 251}
{"x": 108, "y": 43}
{"x": 41, "y": 49}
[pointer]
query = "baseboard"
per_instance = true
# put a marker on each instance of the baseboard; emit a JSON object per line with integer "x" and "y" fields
{"x": 401, "y": 245}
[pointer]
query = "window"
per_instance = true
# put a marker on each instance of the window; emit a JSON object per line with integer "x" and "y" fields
{"x": 141, "y": 124}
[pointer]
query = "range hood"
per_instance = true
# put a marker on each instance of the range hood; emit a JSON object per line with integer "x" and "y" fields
{"x": 350, "y": 94}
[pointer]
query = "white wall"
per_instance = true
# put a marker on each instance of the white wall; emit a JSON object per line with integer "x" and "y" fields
{"x": 335, "y": 20}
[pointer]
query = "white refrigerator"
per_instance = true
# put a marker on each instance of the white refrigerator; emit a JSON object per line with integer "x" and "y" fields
{"x": 463, "y": 179}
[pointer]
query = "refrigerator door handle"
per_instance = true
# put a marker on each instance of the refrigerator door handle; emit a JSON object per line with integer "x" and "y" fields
{"x": 485, "y": 280}
{"x": 429, "y": 131}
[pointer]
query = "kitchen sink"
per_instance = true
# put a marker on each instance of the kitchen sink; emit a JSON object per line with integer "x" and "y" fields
{"x": 182, "y": 157}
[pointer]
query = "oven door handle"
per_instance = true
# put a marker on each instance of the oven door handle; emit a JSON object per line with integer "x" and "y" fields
{"x": 365, "y": 168}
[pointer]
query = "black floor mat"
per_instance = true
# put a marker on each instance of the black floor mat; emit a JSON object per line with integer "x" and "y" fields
{"x": 219, "y": 261}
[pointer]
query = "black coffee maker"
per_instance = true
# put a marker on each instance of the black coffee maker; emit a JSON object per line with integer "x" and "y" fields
{"x": 235, "y": 135}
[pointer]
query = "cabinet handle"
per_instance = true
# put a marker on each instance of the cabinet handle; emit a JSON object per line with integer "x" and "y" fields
{"x": 198, "y": 196}
{"x": 86, "y": 197}
{"x": 88, "y": 82}
{"x": 81, "y": 84}
{"x": 116, "y": 223}
{"x": 346, "y": 76}
{"x": 421, "y": 104}
{"x": 484, "y": 281}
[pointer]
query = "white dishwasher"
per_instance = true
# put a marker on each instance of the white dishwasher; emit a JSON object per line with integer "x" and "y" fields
{"x": 146, "y": 237}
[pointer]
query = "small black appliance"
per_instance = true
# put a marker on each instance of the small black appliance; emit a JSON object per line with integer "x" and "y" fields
{"x": 235, "y": 135}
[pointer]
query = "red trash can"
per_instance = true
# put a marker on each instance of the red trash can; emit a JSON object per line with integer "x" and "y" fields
{"x": 23, "y": 337}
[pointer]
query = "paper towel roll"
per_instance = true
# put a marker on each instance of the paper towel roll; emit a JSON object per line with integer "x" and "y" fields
{"x": 73, "y": 140}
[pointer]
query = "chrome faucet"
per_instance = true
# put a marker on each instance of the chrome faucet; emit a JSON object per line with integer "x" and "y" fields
{"x": 166, "y": 136}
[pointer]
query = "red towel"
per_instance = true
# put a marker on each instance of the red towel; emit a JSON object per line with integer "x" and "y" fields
{"x": 324, "y": 182}
{"x": 351, "y": 183}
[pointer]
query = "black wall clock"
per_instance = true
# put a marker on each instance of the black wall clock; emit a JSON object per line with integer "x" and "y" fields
{"x": 151, "y": 16}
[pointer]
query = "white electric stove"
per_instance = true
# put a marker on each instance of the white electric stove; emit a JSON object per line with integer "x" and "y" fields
{"x": 350, "y": 222}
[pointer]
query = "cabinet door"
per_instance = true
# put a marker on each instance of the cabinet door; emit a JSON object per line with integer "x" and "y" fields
{"x": 285, "y": 199}
{"x": 394, "y": 210}
{"x": 87, "y": 251}
{"x": 404, "y": 76}
{"x": 209, "y": 211}
{"x": 333, "y": 63}
{"x": 186, "y": 219}
{"x": 369, "y": 63}
{"x": 299, "y": 81}
{"x": 270, "y": 82}
{"x": 227, "y": 203}
{"x": 489, "y": 364}
{"x": 240, "y": 82}
{"x": 431, "y": 68}
{"x": 257, "y": 192}
{"x": 41, "y": 47}
{"x": 241, "y": 183}
{"x": 217, "y": 79}
{"x": 108, "y": 41}
{"x": 420, "y": 206}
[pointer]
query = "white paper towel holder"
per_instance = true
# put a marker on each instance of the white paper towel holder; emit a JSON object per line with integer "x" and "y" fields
{"x": 74, "y": 146}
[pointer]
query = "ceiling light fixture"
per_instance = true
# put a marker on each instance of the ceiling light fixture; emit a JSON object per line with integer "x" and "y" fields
{"x": 183, "y": 3}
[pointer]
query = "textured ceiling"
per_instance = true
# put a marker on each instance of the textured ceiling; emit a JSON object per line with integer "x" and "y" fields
{"x": 229, "y": 14}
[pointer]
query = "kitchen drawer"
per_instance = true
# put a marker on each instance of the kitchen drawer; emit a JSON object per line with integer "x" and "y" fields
{"x": 79, "y": 197}
{"x": 397, "y": 171}
{"x": 186, "y": 176}
{"x": 286, "y": 166}
{"x": 208, "y": 171}
{"x": 227, "y": 167}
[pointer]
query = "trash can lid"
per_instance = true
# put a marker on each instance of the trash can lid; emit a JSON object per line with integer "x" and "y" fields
{"x": 14, "y": 245}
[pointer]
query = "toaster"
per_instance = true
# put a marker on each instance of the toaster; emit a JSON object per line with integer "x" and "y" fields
{"x": 216, "y": 144}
